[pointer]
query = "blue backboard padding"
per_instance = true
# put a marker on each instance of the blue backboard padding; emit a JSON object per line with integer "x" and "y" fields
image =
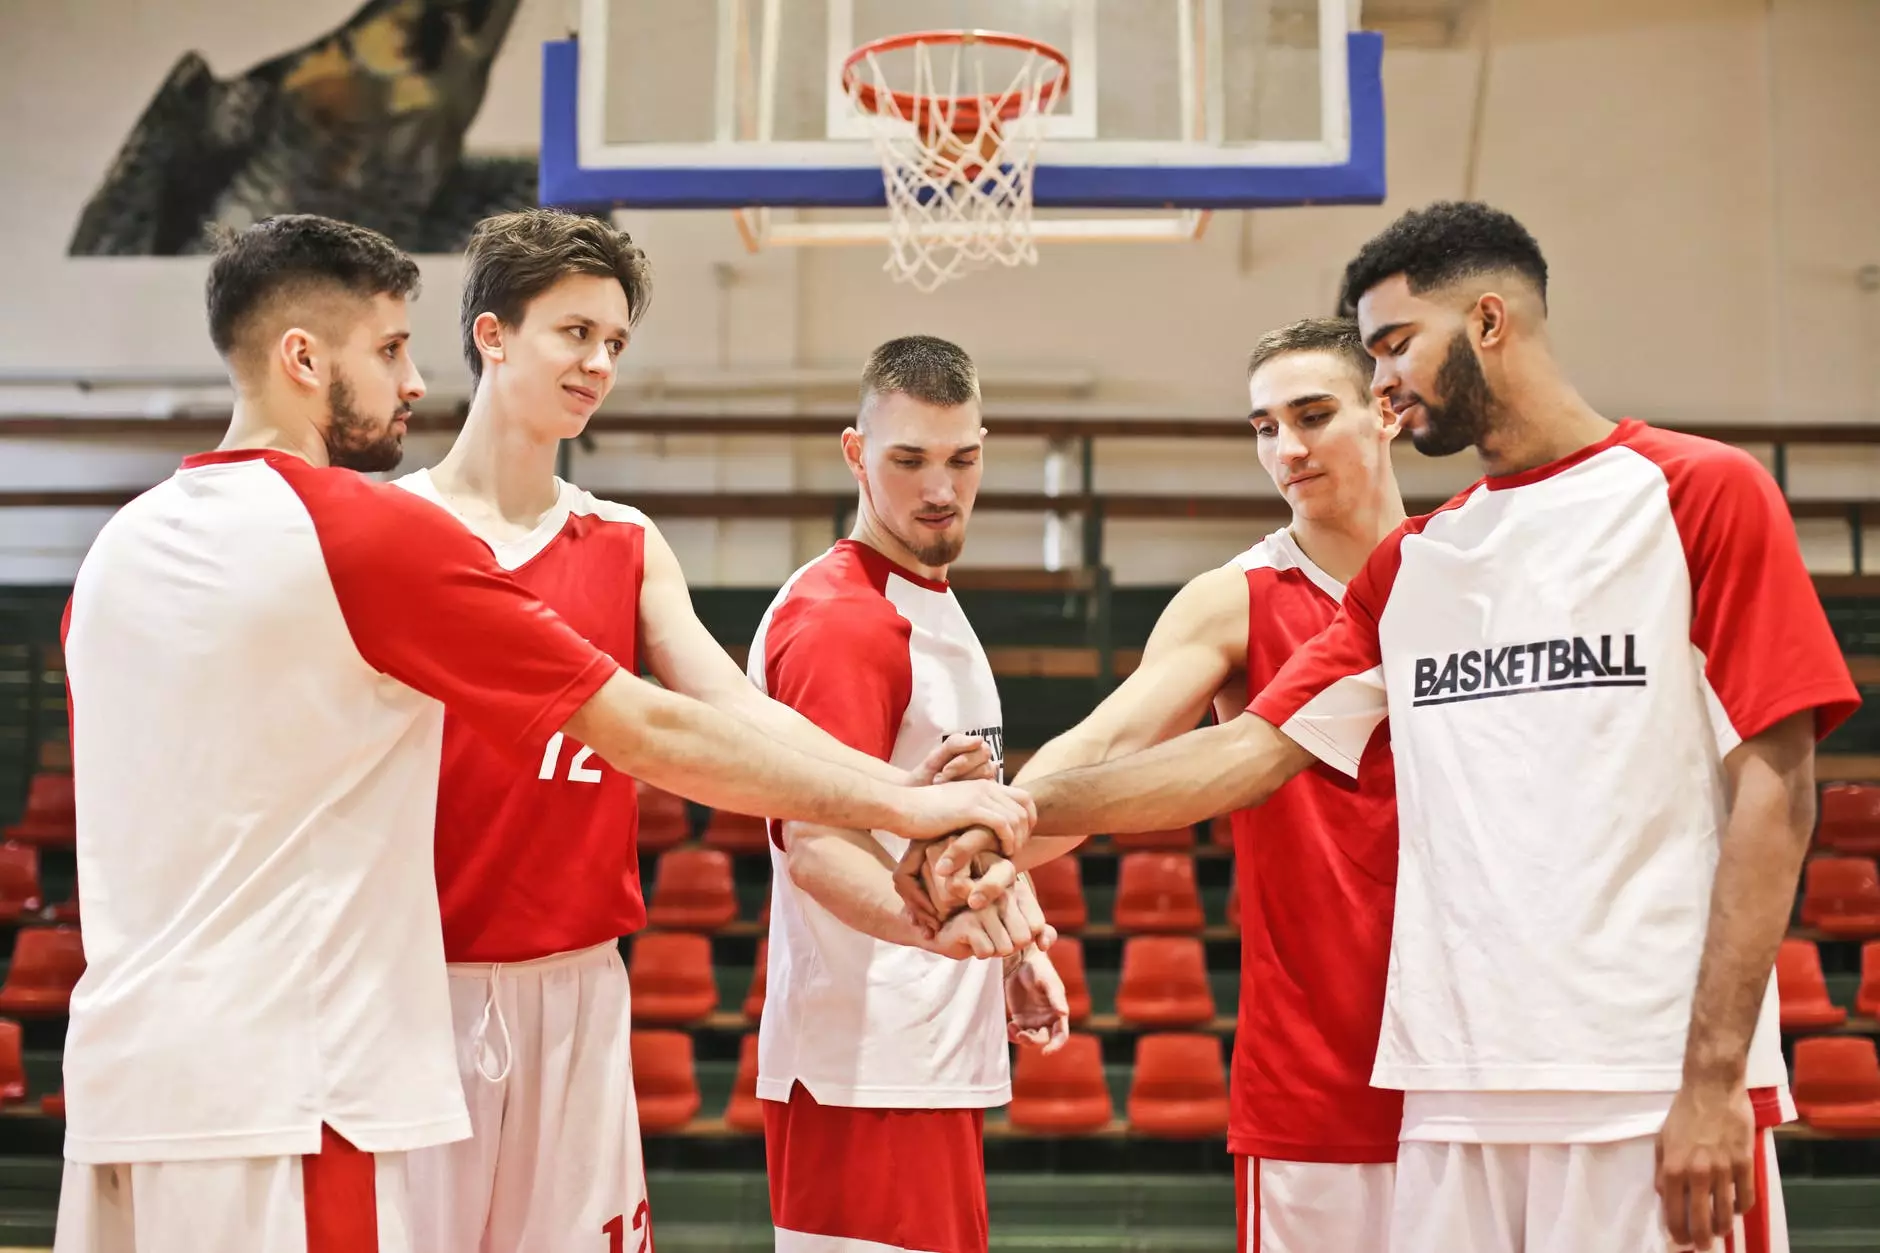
{"x": 1360, "y": 180}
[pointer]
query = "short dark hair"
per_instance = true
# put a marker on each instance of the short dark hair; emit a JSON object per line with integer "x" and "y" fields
{"x": 1337, "y": 336}
{"x": 924, "y": 367}
{"x": 1441, "y": 243}
{"x": 514, "y": 257}
{"x": 293, "y": 255}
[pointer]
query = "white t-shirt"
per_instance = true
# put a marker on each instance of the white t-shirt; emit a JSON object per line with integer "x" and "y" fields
{"x": 1566, "y": 656}
{"x": 885, "y": 661}
{"x": 256, "y": 651}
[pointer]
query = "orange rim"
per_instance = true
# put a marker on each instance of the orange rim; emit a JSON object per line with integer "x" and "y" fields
{"x": 963, "y": 110}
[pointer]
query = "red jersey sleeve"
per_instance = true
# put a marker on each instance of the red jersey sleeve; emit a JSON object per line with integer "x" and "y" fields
{"x": 844, "y": 665}
{"x": 1330, "y": 697}
{"x": 1768, "y": 651}
{"x": 427, "y": 604}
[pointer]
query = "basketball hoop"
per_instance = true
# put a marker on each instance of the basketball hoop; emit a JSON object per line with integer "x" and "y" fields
{"x": 956, "y": 166}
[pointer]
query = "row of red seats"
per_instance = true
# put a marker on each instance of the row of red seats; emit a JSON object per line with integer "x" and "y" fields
{"x": 1804, "y": 990}
{"x": 20, "y": 893}
{"x": 1178, "y": 1089}
{"x": 1841, "y": 897}
{"x": 1164, "y": 981}
{"x": 13, "y": 1073}
{"x": 1178, "y": 1086}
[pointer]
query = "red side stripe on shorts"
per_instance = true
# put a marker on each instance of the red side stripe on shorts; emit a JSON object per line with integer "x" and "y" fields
{"x": 1756, "y": 1222}
{"x": 341, "y": 1198}
{"x": 1254, "y": 1222}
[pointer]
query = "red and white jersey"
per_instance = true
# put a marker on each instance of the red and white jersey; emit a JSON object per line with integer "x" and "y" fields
{"x": 1566, "y": 655}
{"x": 540, "y": 856}
{"x": 1317, "y": 867}
{"x": 256, "y": 650}
{"x": 885, "y": 661}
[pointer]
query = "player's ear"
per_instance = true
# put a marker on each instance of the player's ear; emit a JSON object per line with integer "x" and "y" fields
{"x": 1492, "y": 312}
{"x": 487, "y": 331}
{"x": 298, "y": 351}
{"x": 1389, "y": 421}
{"x": 852, "y": 452}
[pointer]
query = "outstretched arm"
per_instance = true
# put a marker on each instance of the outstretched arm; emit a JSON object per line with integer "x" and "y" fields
{"x": 1706, "y": 1150}
{"x": 684, "y": 657}
{"x": 683, "y": 746}
{"x": 1198, "y": 643}
{"x": 1194, "y": 776}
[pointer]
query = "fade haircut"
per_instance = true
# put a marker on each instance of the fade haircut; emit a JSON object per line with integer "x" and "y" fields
{"x": 1439, "y": 244}
{"x": 930, "y": 370}
{"x": 1337, "y": 336}
{"x": 514, "y": 257}
{"x": 293, "y": 257}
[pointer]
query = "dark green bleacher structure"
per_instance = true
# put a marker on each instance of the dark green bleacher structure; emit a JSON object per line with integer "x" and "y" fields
{"x": 1056, "y": 648}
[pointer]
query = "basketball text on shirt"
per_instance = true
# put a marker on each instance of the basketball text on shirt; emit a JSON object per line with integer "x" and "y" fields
{"x": 1540, "y": 666}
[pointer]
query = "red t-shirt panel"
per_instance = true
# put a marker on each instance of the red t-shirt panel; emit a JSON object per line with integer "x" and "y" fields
{"x": 537, "y": 852}
{"x": 1317, "y": 867}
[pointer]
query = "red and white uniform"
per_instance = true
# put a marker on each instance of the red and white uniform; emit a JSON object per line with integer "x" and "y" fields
{"x": 1314, "y": 1142}
{"x": 257, "y": 650}
{"x": 538, "y": 875}
{"x": 1565, "y": 655}
{"x": 872, "y": 1056}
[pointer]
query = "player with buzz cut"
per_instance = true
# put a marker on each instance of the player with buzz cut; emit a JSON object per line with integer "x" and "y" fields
{"x": 537, "y": 865}
{"x": 1604, "y": 669}
{"x": 877, "y": 1055}
{"x": 1313, "y": 1141}
{"x": 260, "y": 651}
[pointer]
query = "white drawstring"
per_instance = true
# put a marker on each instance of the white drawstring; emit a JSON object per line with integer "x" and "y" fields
{"x": 480, "y": 1035}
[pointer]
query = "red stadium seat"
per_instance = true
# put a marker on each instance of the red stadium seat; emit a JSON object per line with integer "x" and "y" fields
{"x": 1179, "y": 1090}
{"x": 1867, "y": 1000}
{"x": 1156, "y": 892}
{"x": 1837, "y": 1084}
{"x": 51, "y": 815}
{"x": 1067, "y": 957}
{"x": 1850, "y": 818}
{"x": 1173, "y": 840}
{"x": 12, "y": 1064}
{"x": 663, "y": 1080}
{"x": 745, "y": 1112}
{"x": 47, "y": 962}
{"x": 1165, "y": 982}
{"x": 736, "y": 833}
{"x": 692, "y": 891}
{"x": 671, "y": 977}
{"x": 1059, "y": 884}
{"x": 1804, "y": 992}
{"x": 664, "y": 822}
{"x": 52, "y": 1104}
{"x": 19, "y": 881}
{"x": 760, "y": 981}
{"x": 1061, "y": 1093}
{"x": 1841, "y": 896}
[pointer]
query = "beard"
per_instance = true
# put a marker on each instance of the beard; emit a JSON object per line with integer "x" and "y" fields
{"x": 353, "y": 440}
{"x": 940, "y": 550}
{"x": 1461, "y": 420}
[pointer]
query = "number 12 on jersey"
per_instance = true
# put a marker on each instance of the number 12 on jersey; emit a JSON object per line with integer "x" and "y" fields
{"x": 578, "y": 769}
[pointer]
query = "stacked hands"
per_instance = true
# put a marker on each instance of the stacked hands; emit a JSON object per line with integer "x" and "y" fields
{"x": 965, "y": 896}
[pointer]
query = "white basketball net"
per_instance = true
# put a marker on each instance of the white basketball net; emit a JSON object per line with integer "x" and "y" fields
{"x": 959, "y": 196}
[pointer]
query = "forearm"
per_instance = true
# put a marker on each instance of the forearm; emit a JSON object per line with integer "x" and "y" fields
{"x": 1189, "y": 778}
{"x": 784, "y": 724}
{"x": 1764, "y": 843}
{"x": 854, "y": 883}
{"x": 684, "y": 746}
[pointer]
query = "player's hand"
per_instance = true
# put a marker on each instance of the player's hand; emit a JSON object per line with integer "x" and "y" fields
{"x": 910, "y": 885}
{"x": 1706, "y": 1161}
{"x": 944, "y": 808}
{"x": 963, "y": 851}
{"x": 974, "y": 933}
{"x": 1021, "y": 912}
{"x": 957, "y": 757}
{"x": 1037, "y": 1011}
